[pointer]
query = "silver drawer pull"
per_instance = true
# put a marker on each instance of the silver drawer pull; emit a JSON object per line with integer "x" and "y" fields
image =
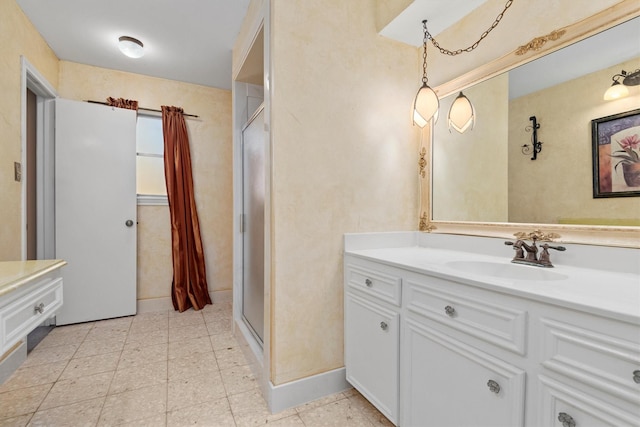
{"x": 368, "y": 282}
{"x": 493, "y": 386}
{"x": 450, "y": 311}
{"x": 384, "y": 326}
{"x": 39, "y": 308}
{"x": 566, "y": 420}
{"x": 636, "y": 376}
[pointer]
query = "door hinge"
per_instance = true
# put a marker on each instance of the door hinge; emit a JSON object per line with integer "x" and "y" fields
{"x": 242, "y": 224}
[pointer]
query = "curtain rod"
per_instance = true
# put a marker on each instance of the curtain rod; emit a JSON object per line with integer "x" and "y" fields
{"x": 141, "y": 108}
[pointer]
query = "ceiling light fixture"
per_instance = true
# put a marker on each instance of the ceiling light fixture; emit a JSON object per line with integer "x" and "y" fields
{"x": 131, "y": 47}
{"x": 426, "y": 105}
{"x": 618, "y": 89}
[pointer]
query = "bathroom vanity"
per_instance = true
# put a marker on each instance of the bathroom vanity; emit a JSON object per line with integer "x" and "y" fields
{"x": 30, "y": 293}
{"x": 443, "y": 330}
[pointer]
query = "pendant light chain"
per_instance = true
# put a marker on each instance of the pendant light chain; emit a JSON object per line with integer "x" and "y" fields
{"x": 424, "y": 52}
{"x": 470, "y": 48}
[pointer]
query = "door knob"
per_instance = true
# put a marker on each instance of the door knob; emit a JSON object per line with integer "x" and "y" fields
{"x": 129, "y": 223}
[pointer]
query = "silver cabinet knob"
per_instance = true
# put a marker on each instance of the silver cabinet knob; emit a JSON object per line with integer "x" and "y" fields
{"x": 368, "y": 282}
{"x": 39, "y": 308}
{"x": 384, "y": 326}
{"x": 493, "y": 386}
{"x": 636, "y": 376}
{"x": 566, "y": 420}
{"x": 129, "y": 223}
{"x": 450, "y": 311}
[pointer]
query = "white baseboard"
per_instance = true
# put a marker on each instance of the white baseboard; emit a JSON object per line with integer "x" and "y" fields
{"x": 11, "y": 361}
{"x": 164, "y": 304}
{"x": 299, "y": 392}
{"x": 294, "y": 393}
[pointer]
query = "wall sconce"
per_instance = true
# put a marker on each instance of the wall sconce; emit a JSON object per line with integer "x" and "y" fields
{"x": 426, "y": 105}
{"x": 133, "y": 48}
{"x": 536, "y": 146}
{"x": 619, "y": 90}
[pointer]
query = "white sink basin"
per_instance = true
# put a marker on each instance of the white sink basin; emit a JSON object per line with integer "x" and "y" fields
{"x": 505, "y": 270}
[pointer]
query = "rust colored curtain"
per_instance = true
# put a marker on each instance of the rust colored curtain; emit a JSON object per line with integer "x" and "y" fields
{"x": 129, "y": 104}
{"x": 189, "y": 287}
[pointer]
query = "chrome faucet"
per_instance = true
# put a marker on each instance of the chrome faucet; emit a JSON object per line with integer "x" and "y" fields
{"x": 528, "y": 253}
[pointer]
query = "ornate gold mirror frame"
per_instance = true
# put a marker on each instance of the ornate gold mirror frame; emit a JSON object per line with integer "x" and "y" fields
{"x": 540, "y": 46}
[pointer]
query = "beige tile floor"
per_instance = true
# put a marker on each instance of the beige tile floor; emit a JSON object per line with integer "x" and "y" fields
{"x": 156, "y": 369}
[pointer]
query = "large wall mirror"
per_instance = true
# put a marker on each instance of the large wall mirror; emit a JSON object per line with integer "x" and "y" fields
{"x": 482, "y": 182}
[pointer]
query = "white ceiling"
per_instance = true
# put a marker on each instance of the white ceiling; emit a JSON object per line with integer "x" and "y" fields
{"x": 440, "y": 15}
{"x": 187, "y": 40}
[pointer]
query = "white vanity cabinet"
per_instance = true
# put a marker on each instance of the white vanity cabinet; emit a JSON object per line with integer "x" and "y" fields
{"x": 30, "y": 293}
{"x": 372, "y": 335}
{"x": 470, "y": 354}
{"x": 447, "y": 381}
{"x": 590, "y": 369}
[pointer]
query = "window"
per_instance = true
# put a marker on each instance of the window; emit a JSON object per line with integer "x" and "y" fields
{"x": 150, "y": 183}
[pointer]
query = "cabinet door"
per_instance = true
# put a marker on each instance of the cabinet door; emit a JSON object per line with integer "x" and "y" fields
{"x": 449, "y": 383}
{"x": 372, "y": 353}
{"x": 563, "y": 405}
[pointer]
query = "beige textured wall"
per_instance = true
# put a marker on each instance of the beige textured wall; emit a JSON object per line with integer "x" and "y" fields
{"x": 344, "y": 160}
{"x": 558, "y": 186}
{"x": 387, "y": 10}
{"x": 17, "y": 37}
{"x": 211, "y": 153}
{"x": 470, "y": 172}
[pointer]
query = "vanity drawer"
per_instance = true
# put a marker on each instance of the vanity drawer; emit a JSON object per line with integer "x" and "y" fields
{"x": 380, "y": 284}
{"x": 477, "y": 314}
{"x": 22, "y": 315}
{"x": 602, "y": 360}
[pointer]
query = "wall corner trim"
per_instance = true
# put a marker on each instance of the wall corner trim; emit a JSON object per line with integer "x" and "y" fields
{"x": 298, "y": 392}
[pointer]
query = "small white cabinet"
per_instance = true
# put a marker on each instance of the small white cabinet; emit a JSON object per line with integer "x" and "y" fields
{"x": 455, "y": 353}
{"x": 30, "y": 293}
{"x": 372, "y": 336}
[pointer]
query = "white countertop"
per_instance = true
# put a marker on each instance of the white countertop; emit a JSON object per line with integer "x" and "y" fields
{"x": 14, "y": 274}
{"x": 610, "y": 293}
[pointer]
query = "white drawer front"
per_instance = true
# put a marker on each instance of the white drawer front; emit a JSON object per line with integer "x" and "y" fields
{"x": 602, "y": 361}
{"x": 19, "y": 317}
{"x": 374, "y": 282}
{"x": 562, "y": 401}
{"x": 500, "y": 325}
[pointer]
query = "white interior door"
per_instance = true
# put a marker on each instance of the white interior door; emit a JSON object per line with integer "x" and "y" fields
{"x": 95, "y": 210}
{"x": 253, "y": 189}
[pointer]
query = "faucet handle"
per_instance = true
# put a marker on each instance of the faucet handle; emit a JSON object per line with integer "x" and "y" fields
{"x": 557, "y": 248}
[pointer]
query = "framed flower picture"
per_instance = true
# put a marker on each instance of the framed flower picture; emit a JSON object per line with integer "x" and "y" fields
{"x": 616, "y": 155}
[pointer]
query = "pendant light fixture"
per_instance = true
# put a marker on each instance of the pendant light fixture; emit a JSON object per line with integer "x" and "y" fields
{"x": 425, "y": 107}
{"x": 133, "y": 48}
{"x": 426, "y": 104}
{"x": 461, "y": 114}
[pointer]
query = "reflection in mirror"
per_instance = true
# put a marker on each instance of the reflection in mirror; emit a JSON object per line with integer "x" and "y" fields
{"x": 478, "y": 176}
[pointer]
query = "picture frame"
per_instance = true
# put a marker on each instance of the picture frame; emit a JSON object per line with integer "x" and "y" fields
{"x": 616, "y": 155}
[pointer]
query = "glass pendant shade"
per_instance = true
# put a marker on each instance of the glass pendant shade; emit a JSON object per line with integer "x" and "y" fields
{"x": 425, "y": 106}
{"x": 616, "y": 91}
{"x": 462, "y": 115}
{"x": 133, "y": 48}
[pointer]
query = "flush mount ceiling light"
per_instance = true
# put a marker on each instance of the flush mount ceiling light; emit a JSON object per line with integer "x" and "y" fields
{"x": 618, "y": 89}
{"x": 131, "y": 47}
{"x": 425, "y": 107}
